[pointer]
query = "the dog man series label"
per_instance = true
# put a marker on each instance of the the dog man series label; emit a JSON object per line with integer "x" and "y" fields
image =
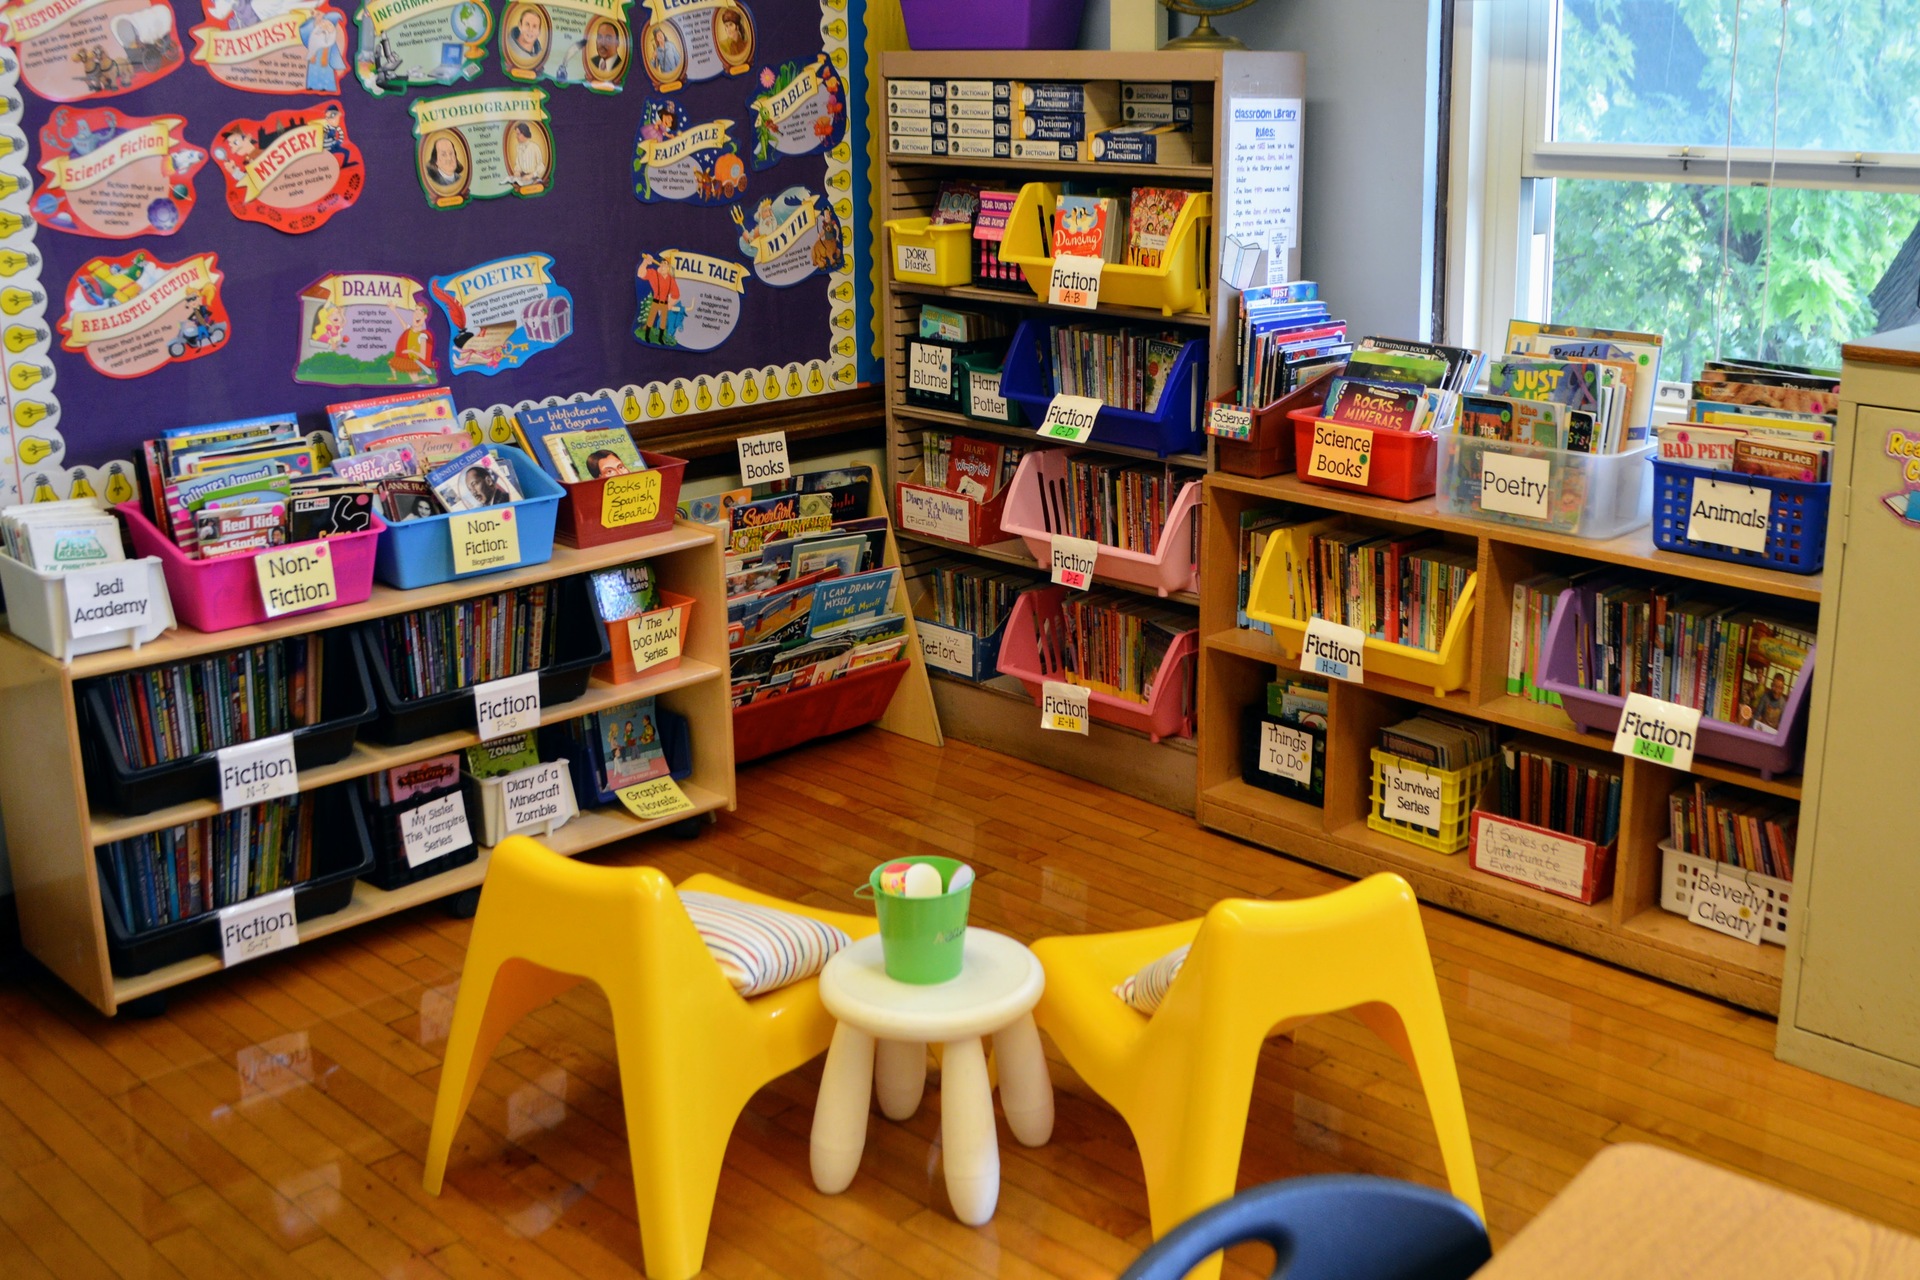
{"x": 584, "y": 42}
{"x": 75, "y": 49}
{"x": 687, "y": 301}
{"x": 481, "y": 146}
{"x": 364, "y": 329}
{"x": 273, "y": 46}
{"x": 503, "y": 313}
{"x": 132, "y": 314}
{"x": 408, "y": 43}
{"x": 673, "y": 160}
{"x": 690, "y": 40}
{"x": 790, "y": 236}
{"x": 293, "y": 170}
{"x": 114, "y": 176}
{"x": 800, "y": 109}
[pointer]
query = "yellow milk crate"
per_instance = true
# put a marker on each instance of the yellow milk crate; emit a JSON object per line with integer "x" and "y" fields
{"x": 926, "y": 254}
{"x": 1179, "y": 283}
{"x": 1432, "y": 807}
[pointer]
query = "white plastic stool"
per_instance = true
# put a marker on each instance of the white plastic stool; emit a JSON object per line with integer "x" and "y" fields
{"x": 1000, "y": 981}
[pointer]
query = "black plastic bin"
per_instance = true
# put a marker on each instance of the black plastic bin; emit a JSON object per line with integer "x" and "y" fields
{"x": 341, "y": 855}
{"x": 346, "y": 698}
{"x": 1251, "y": 720}
{"x": 580, "y": 644}
{"x": 583, "y": 756}
{"x": 390, "y": 869}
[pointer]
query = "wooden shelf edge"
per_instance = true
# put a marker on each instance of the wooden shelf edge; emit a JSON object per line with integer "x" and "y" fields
{"x": 1006, "y": 297}
{"x": 1014, "y": 552}
{"x": 901, "y": 408}
{"x": 1085, "y": 168}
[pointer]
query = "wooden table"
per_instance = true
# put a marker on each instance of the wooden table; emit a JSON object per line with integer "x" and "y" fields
{"x": 1645, "y": 1213}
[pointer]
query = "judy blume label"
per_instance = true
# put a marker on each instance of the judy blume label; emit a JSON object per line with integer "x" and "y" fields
{"x": 1727, "y": 906}
{"x": 257, "y": 927}
{"x": 501, "y": 707}
{"x": 1334, "y": 651}
{"x": 1663, "y": 732}
{"x": 257, "y": 771}
{"x": 930, "y": 368}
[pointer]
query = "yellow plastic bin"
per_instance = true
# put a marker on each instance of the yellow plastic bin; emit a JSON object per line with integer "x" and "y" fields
{"x": 1179, "y": 283}
{"x": 1423, "y": 805}
{"x": 926, "y": 254}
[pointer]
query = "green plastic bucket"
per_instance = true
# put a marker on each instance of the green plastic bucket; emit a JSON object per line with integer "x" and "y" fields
{"x": 921, "y": 939}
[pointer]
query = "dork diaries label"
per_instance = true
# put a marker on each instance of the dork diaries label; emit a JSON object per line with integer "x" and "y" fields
{"x": 130, "y": 315}
{"x": 503, "y": 313}
{"x": 293, "y": 170}
{"x": 481, "y": 146}
{"x": 568, "y": 42}
{"x": 790, "y": 236}
{"x": 690, "y": 40}
{"x": 114, "y": 176}
{"x": 687, "y": 301}
{"x": 273, "y": 46}
{"x": 404, "y": 43}
{"x": 364, "y": 329}
{"x": 76, "y": 49}
{"x": 800, "y": 109}
{"x": 673, "y": 160}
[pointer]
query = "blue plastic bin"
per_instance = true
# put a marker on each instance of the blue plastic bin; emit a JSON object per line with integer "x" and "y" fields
{"x": 419, "y": 553}
{"x": 1796, "y": 527}
{"x": 1175, "y": 427}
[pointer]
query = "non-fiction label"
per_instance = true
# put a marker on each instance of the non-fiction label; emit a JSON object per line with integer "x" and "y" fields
{"x": 1230, "y": 421}
{"x": 252, "y": 772}
{"x": 987, "y": 402}
{"x": 930, "y": 368}
{"x": 485, "y": 539}
{"x": 630, "y": 499}
{"x": 1286, "y": 752}
{"x": 1073, "y": 560}
{"x": 1729, "y": 515}
{"x": 931, "y": 511}
{"x": 501, "y": 707}
{"x": 435, "y": 829}
{"x": 535, "y": 797}
{"x": 1064, "y": 707}
{"x": 257, "y": 927}
{"x": 1727, "y": 906}
{"x": 1542, "y": 859}
{"x": 654, "y": 638}
{"x": 1075, "y": 282}
{"x": 763, "y": 459}
{"x": 1410, "y": 796}
{"x": 946, "y": 648}
{"x": 1070, "y": 418}
{"x": 1514, "y": 485}
{"x": 1663, "y": 732}
{"x": 1334, "y": 651}
{"x": 913, "y": 260}
{"x": 296, "y": 577}
{"x": 1340, "y": 453}
{"x": 654, "y": 799}
{"x": 112, "y": 597}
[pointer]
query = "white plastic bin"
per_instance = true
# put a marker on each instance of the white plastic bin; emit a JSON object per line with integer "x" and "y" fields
{"x": 1682, "y": 873}
{"x": 487, "y": 803}
{"x": 1586, "y": 495}
{"x": 37, "y": 610}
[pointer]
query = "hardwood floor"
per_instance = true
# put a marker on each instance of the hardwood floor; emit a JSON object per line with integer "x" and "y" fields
{"x": 273, "y": 1121}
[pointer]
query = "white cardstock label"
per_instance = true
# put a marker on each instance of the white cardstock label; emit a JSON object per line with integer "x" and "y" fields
{"x": 1340, "y": 453}
{"x": 1663, "y": 732}
{"x": 1729, "y": 515}
{"x": 935, "y": 512}
{"x": 1410, "y": 796}
{"x": 1514, "y": 485}
{"x": 501, "y": 707}
{"x": 930, "y": 368}
{"x": 1334, "y": 651}
{"x": 1286, "y": 752}
{"x": 435, "y": 829}
{"x": 654, "y": 638}
{"x": 1064, "y": 707}
{"x": 763, "y": 459}
{"x": 1542, "y": 859}
{"x": 946, "y": 648}
{"x": 255, "y": 771}
{"x": 987, "y": 400}
{"x": 110, "y": 597}
{"x": 533, "y": 797}
{"x": 1230, "y": 421}
{"x": 1727, "y": 906}
{"x": 913, "y": 260}
{"x": 1070, "y": 418}
{"x": 1075, "y": 282}
{"x": 1073, "y": 560}
{"x": 257, "y": 927}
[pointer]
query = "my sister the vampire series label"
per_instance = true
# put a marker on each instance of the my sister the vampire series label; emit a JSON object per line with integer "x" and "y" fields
{"x": 71, "y": 50}
{"x": 114, "y": 176}
{"x": 291, "y": 171}
{"x": 481, "y": 146}
{"x": 584, "y": 42}
{"x": 130, "y": 315}
{"x": 273, "y": 46}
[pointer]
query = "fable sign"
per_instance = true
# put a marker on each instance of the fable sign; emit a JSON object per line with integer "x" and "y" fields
{"x": 112, "y": 597}
{"x": 257, "y": 927}
{"x": 502, "y": 707}
{"x": 1073, "y": 561}
{"x": 257, "y": 771}
{"x": 1335, "y": 651}
{"x": 1070, "y": 418}
{"x": 1729, "y": 515}
{"x": 1075, "y": 282}
{"x": 295, "y": 578}
{"x": 763, "y": 459}
{"x": 1064, "y": 708}
{"x": 1656, "y": 730}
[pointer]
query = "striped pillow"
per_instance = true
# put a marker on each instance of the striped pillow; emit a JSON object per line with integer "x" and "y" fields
{"x": 761, "y": 949}
{"x": 1146, "y": 989}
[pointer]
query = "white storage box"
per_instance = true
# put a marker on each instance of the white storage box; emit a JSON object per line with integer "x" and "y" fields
{"x": 541, "y": 802}
{"x": 1587, "y": 495}
{"x": 37, "y": 610}
{"x": 1682, "y": 874}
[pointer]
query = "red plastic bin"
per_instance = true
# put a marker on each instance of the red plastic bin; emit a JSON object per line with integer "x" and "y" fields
{"x": 1168, "y": 711}
{"x": 580, "y": 525}
{"x": 219, "y": 595}
{"x": 1403, "y": 461}
{"x": 861, "y": 697}
{"x": 618, "y": 669}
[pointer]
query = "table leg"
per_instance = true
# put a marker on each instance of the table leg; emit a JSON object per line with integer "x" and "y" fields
{"x": 972, "y": 1149}
{"x": 840, "y": 1114}
{"x": 899, "y": 1077}
{"x": 1026, "y": 1093}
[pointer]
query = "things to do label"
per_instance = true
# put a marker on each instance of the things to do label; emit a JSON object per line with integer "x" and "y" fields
{"x": 1064, "y": 707}
{"x": 1729, "y": 515}
{"x": 1334, "y": 651}
{"x": 1070, "y": 418}
{"x": 1663, "y": 732}
{"x": 251, "y": 772}
{"x": 512, "y": 705}
{"x": 1286, "y": 752}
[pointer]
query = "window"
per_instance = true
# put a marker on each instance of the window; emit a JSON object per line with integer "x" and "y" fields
{"x": 1606, "y": 191}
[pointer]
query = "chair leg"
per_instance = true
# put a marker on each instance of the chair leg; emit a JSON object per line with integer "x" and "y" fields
{"x": 1179, "y": 1186}
{"x": 840, "y": 1111}
{"x": 899, "y": 1077}
{"x": 1417, "y": 1030}
{"x": 1026, "y": 1094}
{"x": 970, "y": 1146}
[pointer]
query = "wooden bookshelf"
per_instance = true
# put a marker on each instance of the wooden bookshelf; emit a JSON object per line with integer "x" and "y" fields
{"x": 52, "y": 827}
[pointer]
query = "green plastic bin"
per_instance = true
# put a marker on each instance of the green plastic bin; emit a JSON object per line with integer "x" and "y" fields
{"x": 921, "y": 939}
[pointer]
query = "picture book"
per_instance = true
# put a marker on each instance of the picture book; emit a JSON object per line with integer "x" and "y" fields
{"x": 1151, "y": 215}
{"x": 957, "y": 204}
{"x": 1643, "y": 349}
{"x": 606, "y": 452}
{"x": 839, "y": 555}
{"x": 781, "y": 617}
{"x": 1363, "y": 404}
{"x": 626, "y": 591}
{"x": 1776, "y": 654}
{"x": 379, "y": 464}
{"x": 1537, "y": 422}
{"x": 1394, "y": 366}
{"x": 1160, "y": 357}
{"x": 357, "y": 424}
{"x": 1698, "y": 446}
{"x": 841, "y": 602}
{"x": 477, "y": 478}
{"x": 752, "y": 524}
{"x": 538, "y": 423}
{"x": 629, "y": 743}
{"x": 1086, "y": 227}
{"x": 407, "y": 498}
{"x": 502, "y": 755}
{"x": 1575, "y": 384}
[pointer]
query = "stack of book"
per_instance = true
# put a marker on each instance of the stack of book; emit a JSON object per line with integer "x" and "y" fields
{"x": 574, "y": 443}
{"x": 1300, "y": 701}
{"x": 1123, "y": 368}
{"x": 1440, "y": 741}
{"x": 1136, "y": 230}
{"x": 453, "y": 646}
{"x": 1058, "y": 119}
{"x": 1727, "y": 824}
{"x": 185, "y": 871}
{"x": 973, "y": 599}
{"x": 1559, "y": 792}
{"x": 1395, "y": 384}
{"x": 59, "y": 537}
{"x": 1757, "y": 418}
{"x": 971, "y": 466}
{"x": 1400, "y": 588}
{"x": 1120, "y": 504}
{"x": 1534, "y": 599}
{"x": 169, "y": 713}
{"x": 1109, "y": 642}
{"x": 1568, "y": 387}
{"x": 1286, "y": 339}
{"x": 971, "y": 118}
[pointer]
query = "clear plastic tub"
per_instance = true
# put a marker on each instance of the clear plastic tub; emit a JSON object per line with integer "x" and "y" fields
{"x": 1587, "y": 495}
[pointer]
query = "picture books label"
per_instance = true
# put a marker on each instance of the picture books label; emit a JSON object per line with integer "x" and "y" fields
{"x": 654, "y": 637}
{"x": 114, "y": 597}
{"x": 1334, "y": 651}
{"x": 1411, "y": 796}
{"x": 1341, "y": 454}
{"x": 435, "y": 829}
{"x": 1073, "y": 560}
{"x": 251, "y": 772}
{"x": 1075, "y": 282}
{"x": 485, "y": 539}
{"x": 1064, "y": 708}
{"x": 509, "y": 706}
{"x": 763, "y": 459}
{"x": 1070, "y": 418}
{"x": 1286, "y": 752}
{"x": 258, "y": 927}
{"x": 655, "y": 798}
{"x": 296, "y": 577}
{"x": 630, "y": 499}
{"x": 1729, "y": 515}
{"x": 1515, "y": 485}
{"x": 1663, "y": 732}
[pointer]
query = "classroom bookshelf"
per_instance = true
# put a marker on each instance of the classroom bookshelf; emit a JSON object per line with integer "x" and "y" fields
{"x": 1629, "y": 927}
{"x": 999, "y": 713}
{"x": 53, "y": 826}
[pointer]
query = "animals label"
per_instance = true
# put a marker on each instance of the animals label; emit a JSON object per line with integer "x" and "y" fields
{"x": 1332, "y": 650}
{"x": 114, "y": 176}
{"x": 435, "y": 829}
{"x": 296, "y": 577}
{"x": 1073, "y": 560}
{"x": 655, "y": 798}
{"x": 790, "y": 236}
{"x": 686, "y": 301}
{"x": 1514, "y": 485}
{"x": 291, "y": 171}
{"x": 258, "y": 927}
{"x": 251, "y": 772}
{"x": 1663, "y": 732}
{"x": 1341, "y": 454}
{"x": 630, "y": 499}
{"x": 482, "y": 146}
{"x": 654, "y": 637}
{"x": 70, "y": 50}
{"x": 273, "y": 46}
{"x": 677, "y": 160}
{"x": 801, "y": 108}
{"x": 365, "y": 329}
{"x": 485, "y": 539}
{"x": 1286, "y": 752}
{"x": 691, "y": 40}
{"x": 509, "y": 706}
{"x": 413, "y": 43}
{"x": 1064, "y": 708}
{"x": 584, "y": 42}
{"x": 1729, "y": 515}
{"x": 763, "y": 459}
{"x": 1075, "y": 282}
{"x": 1070, "y": 418}
{"x": 132, "y": 314}
{"x": 112, "y": 597}
{"x": 503, "y": 313}
{"x": 1412, "y": 796}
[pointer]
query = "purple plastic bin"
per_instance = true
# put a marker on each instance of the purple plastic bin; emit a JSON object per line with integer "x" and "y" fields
{"x": 993, "y": 24}
{"x": 1769, "y": 753}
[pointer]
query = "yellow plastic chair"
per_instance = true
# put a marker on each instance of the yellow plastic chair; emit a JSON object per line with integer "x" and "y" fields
{"x": 691, "y": 1050}
{"x": 1183, "y": 1079}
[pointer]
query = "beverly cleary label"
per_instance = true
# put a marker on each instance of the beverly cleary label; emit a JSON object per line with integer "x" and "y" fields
{"x": 536, "y": 797}
{"x": 1334, "y": 651}
{"x": 1070, "y": 418}
{"x": 1341, "y": 454}
{"x": 257, "y": 927}
{"x": 1075, "y": 282}
{"x": 1286, "y": 752}
{"x": 485, "y": 539}
{"x": 1064, "y": 707}
{"x": 295, "y": 578}
{"x": 255, "y": 771}
{"x": 1663, "y": 732}
{"x": 1073, "y": 560}
{"x": 1727, "y": 906}
{"x": 512, "y": 705}
{"x": 763, "y": 459}
{"x": 1542, "y": 859}
{"x": 435, "y": 829}
{"x": 655, "y": 798}
{"x": 1514, "y": 485}
{"x": 1410, "y": 796}
{"x": 1729, "y": 515}
{"x": 113, "y": 597}
{"x": 654, "y": 638}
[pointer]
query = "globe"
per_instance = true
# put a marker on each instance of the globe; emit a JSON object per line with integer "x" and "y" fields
{"x": 471, "y": 21}
{"x": 1204, "y": 36}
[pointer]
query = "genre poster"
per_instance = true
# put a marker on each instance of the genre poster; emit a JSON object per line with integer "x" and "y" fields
{"x": 674, "y": 160}
{"x": 790, "y": 236}
{"x": 293, "y": 170}
{"x": 365, "y": 329}
{"x": 114, "y": 176}
{"x": 801, "y": 108}
{"x": 687, "y": 301}
{"x": 690, "y": 40}
{"x": 503, "y": 313}
{"x": 412, "y": 43}
{"x": 273, "y": 46}
{"x": 132, "y": 314}
{"x": 481, "y": 146}
{"x": 71, "y": 50}
{"x": 585, "y": 42}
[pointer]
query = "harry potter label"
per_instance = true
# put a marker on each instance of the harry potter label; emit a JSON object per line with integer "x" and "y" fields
{"x": 946, "y": 648}
{"x": 408, "y": 43}
{"x": 1663, "y": 732}
{"x": 114, "y": 176}
{"x": 258, "y": 927}
{"x": 292, "y": 170}
{"x": 252, "y": 772}
{"x": 630, "y": 499}
{"x": 986, "y": 401}
{"x": 686, "y": 301}
{"x": 1070, "y": 418}
{"x": 1729, "y": 515}
{"x": 132, "y": 314}
{"x": 1073, "y": 560}
{"x": 936, "y": 513}
{"x": 692, "y": 40}
{"x": 296, "y": 577}
{"x": 1230, "y": 421}
{"x": 364, "y": 329}
{"x": 654, "y": 637}
{"x": 75, "y": 49}
{"x": 674, "y": 159}
{"x": 763, "y": 459}
{"x": 790, "y": 236}
{"x": 1334, "y": 651}
{"x": 512, "y": 705}
{"x": 1514, "y": 485}
{"x": 484, "y": 539}
{"x": 1727, "y": 906}
{"x": 1075, "y": 282}
{"x": 1340, "y": 453}
{"x": 930, "y": 368}
{"x": 273, "y": 46}
{"x": 112, "y": 597}
{"x": 482, "y": 146}
{"x": 1286, "y": 752}
{"x": 435, "y": 829}
{"x": 1064, "y": 708}
{"x": 1542, "y": 859}
{"x": 801, "y": 108}
{"x": 536, "y": 797}
{"x": 503, "y": 313}
{"x": 583, "y": 42}
{"x": 1410, "y": 796}
{"x": 655, "y": 798}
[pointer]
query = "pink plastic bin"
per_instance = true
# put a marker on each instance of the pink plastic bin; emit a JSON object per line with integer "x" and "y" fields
{"x": 1167, "y": 713}
{"x": 1170, "y": 568}
{"x": 219, "y": 595}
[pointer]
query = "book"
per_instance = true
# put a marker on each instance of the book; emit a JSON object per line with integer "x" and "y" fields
{"x": 477, "y": 478}
{"x": 1152, "y": 212}
{"x": 629, "y": 744}
{"x": 1086, "y": 227}
{"x": 626, "y": 591}
{"x": 407, "y": 498}
{"x": 502, "y": 756}
{"x": 1365, "y": 404}
{"x": 973, "y": 467}
{"x": 1781, "y": 459}
{"x": 602, "y": 453}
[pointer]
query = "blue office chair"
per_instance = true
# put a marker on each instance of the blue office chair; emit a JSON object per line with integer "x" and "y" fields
{"x": 1336, "y": 1227}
